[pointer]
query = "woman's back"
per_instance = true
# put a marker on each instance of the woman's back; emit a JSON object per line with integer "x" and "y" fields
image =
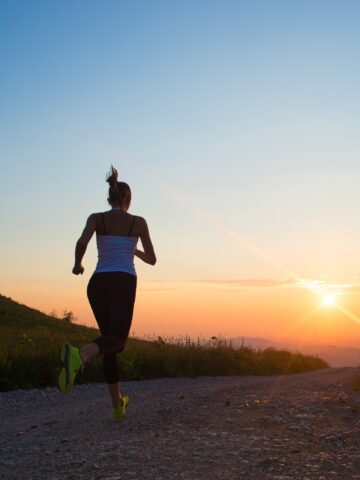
{"x": 116, "y": 237}
{"x": 117, "y": 223}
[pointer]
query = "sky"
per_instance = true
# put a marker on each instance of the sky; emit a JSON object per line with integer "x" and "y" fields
{"x": 235, "y": 124}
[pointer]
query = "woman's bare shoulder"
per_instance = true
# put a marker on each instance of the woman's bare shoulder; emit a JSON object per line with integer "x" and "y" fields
{"x": 94, "y": 217}
{"x": 139, "y": 220}
{"x": 96, "y": 214}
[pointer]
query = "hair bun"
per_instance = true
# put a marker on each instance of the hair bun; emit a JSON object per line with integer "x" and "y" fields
{"x": 112, "y": 176}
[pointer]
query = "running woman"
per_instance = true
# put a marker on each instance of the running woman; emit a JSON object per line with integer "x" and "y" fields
{"x": 111, "y": 289}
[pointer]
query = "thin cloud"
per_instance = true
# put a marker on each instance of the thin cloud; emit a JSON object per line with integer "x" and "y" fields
{"x": 155, "y": 289}
{"x": 318, "y": 286}
{"x": 250, "y": 282}
{"x": 323, "y": 287}
{"x": 352, "y": 288}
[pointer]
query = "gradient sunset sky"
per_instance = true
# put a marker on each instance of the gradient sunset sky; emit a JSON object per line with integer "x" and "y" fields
{"x": 236, "y": 123}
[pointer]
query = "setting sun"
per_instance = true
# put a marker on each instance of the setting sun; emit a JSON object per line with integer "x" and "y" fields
{"x": 329, "y": 300}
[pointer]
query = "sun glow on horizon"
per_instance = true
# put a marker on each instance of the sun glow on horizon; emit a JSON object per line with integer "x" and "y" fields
{"x": 329, "y": 300}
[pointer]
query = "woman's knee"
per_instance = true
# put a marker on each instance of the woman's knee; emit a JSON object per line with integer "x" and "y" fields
{"x": 109, "y": 343}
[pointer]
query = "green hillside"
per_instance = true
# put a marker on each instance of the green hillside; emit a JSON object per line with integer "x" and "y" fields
{"x": 29, "y": 344}
{"x": 23, "y": 320}
{"x": 30, "y": 341}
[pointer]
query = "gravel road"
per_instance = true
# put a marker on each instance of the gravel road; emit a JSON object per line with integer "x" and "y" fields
{"x": 304, "y": 426}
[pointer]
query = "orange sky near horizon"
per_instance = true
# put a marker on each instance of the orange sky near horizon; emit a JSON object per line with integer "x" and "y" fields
{"x": 283, "y": 311}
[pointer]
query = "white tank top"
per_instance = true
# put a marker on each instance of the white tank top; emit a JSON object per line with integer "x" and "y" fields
{"x": 116, "y": 252}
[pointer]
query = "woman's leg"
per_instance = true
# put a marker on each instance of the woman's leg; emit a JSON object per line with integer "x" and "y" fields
{"x": 97, "y": 299}
{"x": 99, "y": 295}
{"x": 121, "y": 306}
{"x": 115, "y": 394}
{"x": 112, "y": 378}
{"x": 112, "y": 298}
{"x": 89, "y": 353}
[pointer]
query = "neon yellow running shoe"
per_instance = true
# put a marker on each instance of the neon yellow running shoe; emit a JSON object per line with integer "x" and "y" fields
{"x": 119, "y": 412}
{"x": 70, "y": 363}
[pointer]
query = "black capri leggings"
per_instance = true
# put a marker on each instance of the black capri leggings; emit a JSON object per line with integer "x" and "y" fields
{"x": 112, "y": 297}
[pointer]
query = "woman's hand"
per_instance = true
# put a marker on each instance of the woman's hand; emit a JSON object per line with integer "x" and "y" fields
{"x": 78, "y": 269}
{"x": 145, "y": 257}
{"x": 148, "y": 255}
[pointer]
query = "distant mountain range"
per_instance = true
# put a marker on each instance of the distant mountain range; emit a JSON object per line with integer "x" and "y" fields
{"x": 335, "y": 356}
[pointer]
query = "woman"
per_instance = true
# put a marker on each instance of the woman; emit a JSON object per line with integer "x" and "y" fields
{"x": 111, "y": 290}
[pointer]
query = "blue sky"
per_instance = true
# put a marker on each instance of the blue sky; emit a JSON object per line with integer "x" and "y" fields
{"x": 248, "y": 110}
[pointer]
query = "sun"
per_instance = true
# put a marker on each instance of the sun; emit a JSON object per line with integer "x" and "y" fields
{"x": 329, "y": 300}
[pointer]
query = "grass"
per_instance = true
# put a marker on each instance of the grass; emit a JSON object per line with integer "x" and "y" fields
{"x": 30, "y": 341}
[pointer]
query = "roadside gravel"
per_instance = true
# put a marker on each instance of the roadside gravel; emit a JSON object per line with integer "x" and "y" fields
{"x": 304, "y": 426}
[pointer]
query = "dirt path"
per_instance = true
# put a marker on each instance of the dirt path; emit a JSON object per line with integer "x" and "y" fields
{"x": 295, "y": 427}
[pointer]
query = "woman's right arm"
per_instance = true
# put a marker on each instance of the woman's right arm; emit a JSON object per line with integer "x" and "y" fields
{"x": 82, "y": 243}
{"x": 148, "y": 255}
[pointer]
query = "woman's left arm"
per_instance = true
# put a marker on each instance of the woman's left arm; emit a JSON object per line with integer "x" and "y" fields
{"x": 82, "y": 243}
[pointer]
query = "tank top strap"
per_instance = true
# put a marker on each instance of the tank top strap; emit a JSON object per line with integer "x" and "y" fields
{"x": 132, "y": 226}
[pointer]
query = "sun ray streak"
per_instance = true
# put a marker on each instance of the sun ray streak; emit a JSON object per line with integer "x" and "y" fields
{"x": 231, "y": 233}
{"x": 347, "y": 312}
{"x": 296, "y": 324}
